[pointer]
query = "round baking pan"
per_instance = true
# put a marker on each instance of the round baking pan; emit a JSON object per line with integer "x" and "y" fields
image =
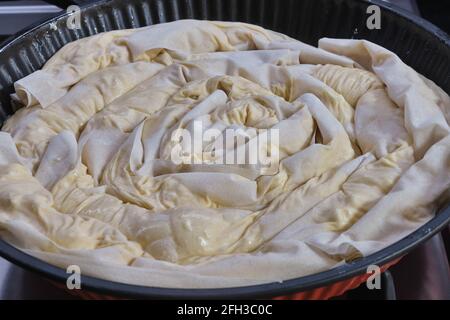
{"x": 419, "y": 43}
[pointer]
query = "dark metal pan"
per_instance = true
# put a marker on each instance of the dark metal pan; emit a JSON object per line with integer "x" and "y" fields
{"x": 419, "y": 43}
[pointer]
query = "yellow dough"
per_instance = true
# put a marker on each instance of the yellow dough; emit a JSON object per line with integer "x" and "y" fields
{"x": 87, "y": 178}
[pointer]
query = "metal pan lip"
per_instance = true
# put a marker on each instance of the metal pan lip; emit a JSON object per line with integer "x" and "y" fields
{"x": 264, "y": 290}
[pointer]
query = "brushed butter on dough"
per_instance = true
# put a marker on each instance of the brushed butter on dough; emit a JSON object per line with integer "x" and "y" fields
{"x": 86, "y": 176}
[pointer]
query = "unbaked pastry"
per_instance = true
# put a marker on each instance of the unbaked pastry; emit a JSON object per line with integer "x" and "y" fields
{"x": 86, "y": 176}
